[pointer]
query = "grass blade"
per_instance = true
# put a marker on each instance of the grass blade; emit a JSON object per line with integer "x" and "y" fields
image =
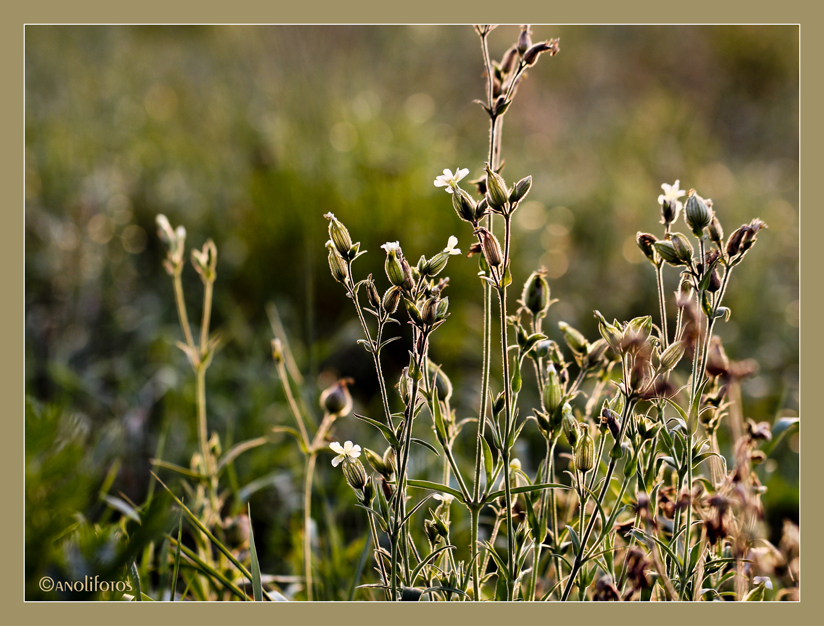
{"x": 177, "y": 556}
{"x": 257, "y": 588}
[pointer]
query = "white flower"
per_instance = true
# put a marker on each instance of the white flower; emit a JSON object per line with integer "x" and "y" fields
{"x": 392, "y": 246}
{"x": 671, "y": 193}
{"x": 444, "y": 497}
{"x": 450, "y": 249}
{"x": 449, "y": 180}
{"x": 763, "y": 580}
{"x": 515, "y": 465}
{"x": 346, "y": 452}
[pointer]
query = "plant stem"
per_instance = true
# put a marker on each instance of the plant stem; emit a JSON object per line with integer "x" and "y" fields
{"x": 662, "y": 303}
{"x": 307, "y": 520}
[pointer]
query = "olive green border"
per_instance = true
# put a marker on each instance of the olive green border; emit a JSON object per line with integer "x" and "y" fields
{"x": 420, "y": 11}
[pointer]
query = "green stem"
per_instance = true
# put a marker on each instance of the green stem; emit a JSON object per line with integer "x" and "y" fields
{"x": 307, "y": 520}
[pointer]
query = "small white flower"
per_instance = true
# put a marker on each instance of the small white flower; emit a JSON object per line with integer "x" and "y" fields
{"x": 765, "y": 580}
{"x": 515, "y": 465}
{"x": 449, "y": 180}
{"x": 346, "y": 452}
{"x": 392, "y": 246}
{"x": 671, "y": 193}
{"x": 450, "y": 249}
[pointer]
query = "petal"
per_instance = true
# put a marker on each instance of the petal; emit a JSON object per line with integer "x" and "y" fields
{"x": 440, "y": 182}
{"x": 336, "y": 447}
{"x": 449, "y": 190}
{"x": 453, "y": 241}
{"x": 336, "y": 461}
{"x": 447, "y": 173}
{"x": 461, "y": 173}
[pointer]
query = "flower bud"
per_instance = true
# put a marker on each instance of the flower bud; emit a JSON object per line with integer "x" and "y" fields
{"x": 646, "y": 243}
{"x": 464, "y": 206}
{"x": 389, "y": 461}
{"x": 524, "y": 40}
{"x": 585, "y": 453}
{"x": 672, "y": 355}
{"x": 569, "y": 425}
{"x": 535, "y": 296}
{"x": 696, "y": 213}
{"x": 552, "y": 394}
{"x": 429, "y": 311}
{"x": 405, "y": 386}
{"x": 431, "y": 531}
{"x": 336, "y": 399}
{"x": 596, "y": 352}
{"x": 640, "y": 328}
{"x": 372, "y": 293}
{"x": 667, "y": 251}
{"x": 277, "y": 351}
{"x": 393, "y": 266}
{"x": 376, "y": 461}
{"x": 481, "y": 208}
{"x": 611, "y": 333}
{"x": 443, "y": 308}
{"x": 496, "y": 192}
{"x": 683, "y": 248}
{"x": 337, "y": 265}
{"x": 339, "y": 236}
{"x": 355, "y": 474}
{"x": 520, "y": 189}
{"x": 715, "y": 231}
{"x": 499, "y": 404}
{"x": 490, "y": 247}
{"x": 531, "y": 55}
{"x": 612, "y": 420}
{"x": 391, "y": 299}
{"x": 575, "y": 340}
{"x": 368, "y": 491}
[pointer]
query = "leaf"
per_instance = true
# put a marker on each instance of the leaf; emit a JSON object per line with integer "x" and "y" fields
{"x": 426, "y": 445}
{"x": 576, "y": 543}
{"x": 372, "y": 512}
{"x": 385, "y": 430}
{"x": 779, "y": 430}
{"x": 489, "y": 464}
{"x": 177, "y": 556}
{"x": 641, "y": 535}
{"x": 425, "y": 484}
{"x": 177, "y": 468}
{"x": 138, "y": 596}
{"x": 502, "y": 567}
{"x": 415, "y": 508}
{"x": 257, "y": 588}
{"x": 431, "y": 556}
{"x": 208, "y": 570}
{"x": 122, "y": 506}
{"x": 700, "y": 458}
{"x": 451, "y": 589}
{"x": 228, "y": 553}
{"x": 238, "y": 449}
{"x": 526, "y": 489}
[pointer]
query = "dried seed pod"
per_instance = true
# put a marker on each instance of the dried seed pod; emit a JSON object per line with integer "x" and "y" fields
{"x": 391, "y": 299}
{"x": 646, "y": 243}
{"x": 336, "y": 399}
{"x": 490, "y": 247}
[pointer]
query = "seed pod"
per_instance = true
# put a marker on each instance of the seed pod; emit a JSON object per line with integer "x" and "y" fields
{"x": 575, "y": 340}
{"x": 535, "y": 296}
{"x": 552, "y": 395}
{"x": 585, "y": 452}
{"x": 569, "y": 425}
{"x": 646, "y": 243}
{"x": 612, "y": 420}
{"x": 391, "y": 299}
{"x": 336, "y": 399}
{"x": 596, "y": 352}
{"x": 443, "y": 307}
{"x": 669, "y": 211}
{"x": 431, "y": 531}
{"x": 368, "y": 491}
{"x": 641, "y": 327}
{"x": 524, "y": 40}
{"x": 339, "y": 236}
{"x": 531, "y": 55}
{"x": 496, "y": 192}
{"x": 405, "y": 386}
{"x": 672, "y": 355}
{"x": 499, "y": 404}
{"x": 376, "y": 461}
{"x": 683, "y": 248}
{"x": 394, "y": 268}
{"x": 520, "y": 189}
{"x": 389, "y": 461}
{"x": 667, "y": 251}
{"x": 696, "y": 213}
{"x": 490, "y": 247}
{"x": 429, "y": 311}
{"x": 480, "y": 209}
{"x": 337, "y": 265}
{"x": 464, "y": 206}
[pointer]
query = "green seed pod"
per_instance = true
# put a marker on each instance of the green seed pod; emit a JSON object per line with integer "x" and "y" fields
{"x": 391, "y": 299}
{"x": 443, "y": 308}
{"x": 499, "y": 404}
{"x": 337, "y": 265}
{"x": 543, "y": 421}
{"x": 683, "y": 248}
{"x": 552, "y": 395}
{"x": 431, "y": 531}
{"x": 405, "y": 386}
{"x": 641, "y": 328}
{"x": 372, "y": 293}
{"x": 414, "y": 313}
{"x": 575, "y": 340}
{"x": 389, "y": 461}
{"x": 376, "y": 461}
{"x": 569, "y": 425}
{"x": 535, "y": 296}
{"x": 668, "y": 253}
{"x": 672, "y": 355}
{"x": 339, "y": 236}
{"x": 394, "y": 268}
{"x": 496, "y": 192}
{"x": 646, "y": 243}
{"x": 464, "y": 206}
{"x": 368, "y": 491}
{"x": 696, "y": 213}
{"x": 520, "y": 189}
{"x": 429, "y": 311}
{"x": 585, "y": 453}
{"x": 480, "y": 209}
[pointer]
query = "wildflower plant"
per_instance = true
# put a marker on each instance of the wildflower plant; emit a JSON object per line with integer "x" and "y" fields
{"x": 629, "y": 517}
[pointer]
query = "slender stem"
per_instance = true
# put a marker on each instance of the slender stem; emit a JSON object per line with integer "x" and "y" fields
{"x": 181, "y": 312}
{"x": 293, "y": 405}
{"x": 510, "y": 530}
{"x": 662, "y": 303}
{"x": 576, "y": 566}
{"x": 207, "y": 314}
{"x": 307, "y": 521}
{"x": 381, "y": 565}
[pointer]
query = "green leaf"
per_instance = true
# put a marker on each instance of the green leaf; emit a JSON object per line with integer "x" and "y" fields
{"x": 193, "y": 518}
{"x": 177, "y": 556}
{"x": 779, "y": 430}
{"x": 238, "y": 449}
{"x": 412, "y": 512}
{"x": 451, "y": 589}
{"x": 257, "y": 587}
{"x": 385, "y": 430}
{"x": 426, "y": 445}
{"x": 526, "y": 489}
{"x": 425, "y": 484}
{"x": 489, "y": 464}
{"x": 177, "y": 468}
{"x": 576, "y": 543}
{"x": 121, "y": 505}
{"x": 431, "y": 556}
{"x": 208, "y": 570}
{"x": 138, "y": 596}
{"x": 440, "y": 427}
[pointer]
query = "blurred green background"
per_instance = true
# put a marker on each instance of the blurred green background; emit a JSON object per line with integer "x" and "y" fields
{"x": 249, "y": 135}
